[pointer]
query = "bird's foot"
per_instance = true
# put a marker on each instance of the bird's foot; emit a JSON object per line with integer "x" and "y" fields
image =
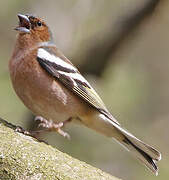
{"x": 23, "y": 131}
{"x": 49, "y": 125}
{"x": 33, "y": 134}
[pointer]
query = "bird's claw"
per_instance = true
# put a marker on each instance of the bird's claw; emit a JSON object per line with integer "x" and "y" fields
{"x": 23, "y": 131}
{"x": 64, "y": 134}
{"x": 51, "y": 126}
{"x": 39, "y": 118}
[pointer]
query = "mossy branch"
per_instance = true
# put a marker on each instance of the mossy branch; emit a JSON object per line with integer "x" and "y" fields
{"x": 23, "y": 157}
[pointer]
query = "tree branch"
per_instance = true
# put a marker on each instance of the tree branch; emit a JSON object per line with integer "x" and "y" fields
{"x": 23, "y": 157}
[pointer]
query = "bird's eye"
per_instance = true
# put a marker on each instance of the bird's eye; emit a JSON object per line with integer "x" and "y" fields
{"x": 39, "y": 23}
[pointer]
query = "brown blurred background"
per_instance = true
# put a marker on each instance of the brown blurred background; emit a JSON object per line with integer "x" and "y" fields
{"x": 122, "y": 48}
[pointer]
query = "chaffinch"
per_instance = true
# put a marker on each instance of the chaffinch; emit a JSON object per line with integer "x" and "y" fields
{"x": 53, "y": 88}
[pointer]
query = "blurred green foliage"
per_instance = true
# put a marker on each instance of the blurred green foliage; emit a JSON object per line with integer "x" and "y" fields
{"x": 134, "y": 85}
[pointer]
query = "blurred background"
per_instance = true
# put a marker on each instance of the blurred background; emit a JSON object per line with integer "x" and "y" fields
{"x": 122, "y": 48}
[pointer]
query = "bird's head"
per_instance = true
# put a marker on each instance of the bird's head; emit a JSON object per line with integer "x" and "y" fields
{"x": 33, "y": 28}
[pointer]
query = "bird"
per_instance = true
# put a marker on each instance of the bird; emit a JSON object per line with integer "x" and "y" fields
{"x": 56, "y": 93}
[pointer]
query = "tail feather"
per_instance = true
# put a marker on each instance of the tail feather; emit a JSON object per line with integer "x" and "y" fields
{"x": 142, "y": 151}
{"x": 145, "y": 158}
{"x": 145, "y": 153}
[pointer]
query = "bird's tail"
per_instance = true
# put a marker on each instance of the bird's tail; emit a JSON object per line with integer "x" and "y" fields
{"x": 142, "y": 151}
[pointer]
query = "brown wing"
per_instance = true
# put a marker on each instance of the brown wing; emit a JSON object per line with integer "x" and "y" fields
{"x": 70, "y": 77}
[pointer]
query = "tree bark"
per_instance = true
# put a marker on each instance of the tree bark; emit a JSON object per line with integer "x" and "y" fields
{"x": 23, "y": 157}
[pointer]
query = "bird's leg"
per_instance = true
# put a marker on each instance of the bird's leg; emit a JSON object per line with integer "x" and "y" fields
{"x": 49, "y": 125}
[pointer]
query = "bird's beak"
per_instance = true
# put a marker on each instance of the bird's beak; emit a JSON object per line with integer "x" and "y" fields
{"x": 24, "y": 24}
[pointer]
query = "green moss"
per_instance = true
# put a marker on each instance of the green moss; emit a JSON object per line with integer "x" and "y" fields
{"x": 23, "y": 157}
